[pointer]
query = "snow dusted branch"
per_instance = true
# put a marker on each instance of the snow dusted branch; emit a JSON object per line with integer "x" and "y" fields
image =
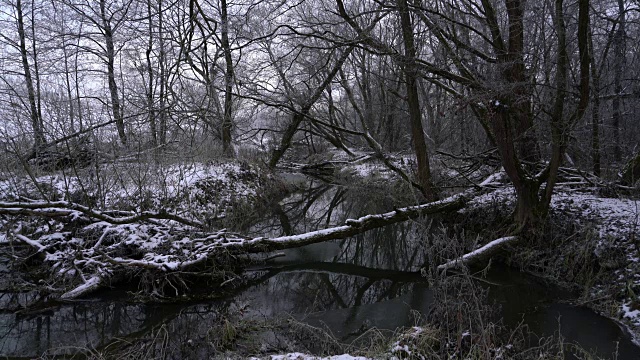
{"x": 65, "y": 208}
{"x": 85, "y": 258}
{"x": 87, "y": 287}
{"x": 32, "y": 243}
{"x": 352, "y": 226}
{"x": 479, "y": 255}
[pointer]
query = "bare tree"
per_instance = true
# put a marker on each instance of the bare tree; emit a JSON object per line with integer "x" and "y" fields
{"x": 413, "y": 101}
{"x": 619, "y": 54}
{"x": 227, "y": 119}
{"x": 110, "y": 53}
{"x": 107, "y": 18}
{"x": 34, "y": 100}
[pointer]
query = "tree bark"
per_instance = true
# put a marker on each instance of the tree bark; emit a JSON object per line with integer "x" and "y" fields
{"x": 519, "y": 89}
{"x": 113, "y": 86}
{"x": 595, "y": 111}
{"x": 413, "y": 102}
{"x": 227, "y": 121}
{"x": 619, "y": 45}
{"x": 36, "y": 122}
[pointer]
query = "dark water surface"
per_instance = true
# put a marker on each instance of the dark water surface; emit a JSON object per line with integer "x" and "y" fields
{"x": 343, "y": 287}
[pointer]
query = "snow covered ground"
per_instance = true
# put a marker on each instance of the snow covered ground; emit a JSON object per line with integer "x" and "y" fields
{"x": 302, "y": 356}
{"x": 132, "y": 215}
{"x": 193, "y": 189}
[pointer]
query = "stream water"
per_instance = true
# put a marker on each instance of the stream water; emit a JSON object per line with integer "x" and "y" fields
{"x": 343, "y": 287}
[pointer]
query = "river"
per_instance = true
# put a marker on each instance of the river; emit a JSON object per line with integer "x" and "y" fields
{"x": 344, "y": 288}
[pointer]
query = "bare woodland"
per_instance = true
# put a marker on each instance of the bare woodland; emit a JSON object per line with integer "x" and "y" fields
{"x": 97, "y": 90}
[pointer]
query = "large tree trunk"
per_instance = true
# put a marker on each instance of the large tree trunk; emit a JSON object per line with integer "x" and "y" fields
{"x": 619, "y": 46}
{"x": 518, "y": 90}
{"x": 511, "y": 116}
{"x": 113, "y": 86}
{"x": 528, "y": 213}
{"x": 413, "y": 102}
{"x": 227, "y": 121}
{"x": 36, "y": 122}
{"x": 595, "y": 110}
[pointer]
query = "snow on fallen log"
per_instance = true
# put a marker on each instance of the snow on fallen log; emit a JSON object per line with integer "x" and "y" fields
{"x": 368, "y": 222}
{"x": 84, "y": 258}
{"x": 39, "y": 247}
{"x": 352, "y": 226}
{"x": 89, "y": 286}
{"x": 479, "y": 255}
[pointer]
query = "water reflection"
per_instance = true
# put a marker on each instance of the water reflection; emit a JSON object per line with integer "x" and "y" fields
{"x": 345, "y": 286}
{"x": 67, "y": 329}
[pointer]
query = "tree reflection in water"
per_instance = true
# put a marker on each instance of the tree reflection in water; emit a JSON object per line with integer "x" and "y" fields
{"x": 345, "y": 287}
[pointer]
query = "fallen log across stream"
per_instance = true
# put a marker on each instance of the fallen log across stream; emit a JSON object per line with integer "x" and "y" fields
{"x": 99, "y": 244}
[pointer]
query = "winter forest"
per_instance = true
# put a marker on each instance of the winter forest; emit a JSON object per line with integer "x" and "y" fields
{"x": 327, "y": 179}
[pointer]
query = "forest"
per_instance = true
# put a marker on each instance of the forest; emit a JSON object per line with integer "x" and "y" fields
{"x": 327, "y": 179}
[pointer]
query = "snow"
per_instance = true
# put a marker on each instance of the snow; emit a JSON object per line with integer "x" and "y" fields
{"x": 632, "y": 313}
{"x": 305, "y": 236}
{"x": 404, "y": 349}
{"x": 195, "y": 189}
{"x": 127, "y": 193}
{"x": 35, "y": 244}
{"x": 302, "y": 356}
{"x": 87, "y": 286}
{"x": 486, "y": 248}
{"x": 613, "y": 216}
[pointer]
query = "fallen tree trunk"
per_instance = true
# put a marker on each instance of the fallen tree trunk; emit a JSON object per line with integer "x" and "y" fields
{"x": 480, "y": 255}
{"x": 87, "y": 287}
{"x": 352, "y": 226}
{"x": 86, "y": 258}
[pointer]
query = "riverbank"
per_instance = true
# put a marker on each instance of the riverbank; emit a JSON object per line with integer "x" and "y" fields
{"x": 590, "y": 244}
{"x": 347, "y": 296}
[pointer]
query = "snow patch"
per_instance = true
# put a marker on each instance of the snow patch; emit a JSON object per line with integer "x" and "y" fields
{"x": 631, "y": 312}
{"x": 302, "y": 356}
